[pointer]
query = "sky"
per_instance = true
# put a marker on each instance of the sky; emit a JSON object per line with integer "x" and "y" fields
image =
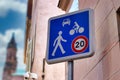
{"x": 12, "y": 20}
{"x": 75, "y": 6}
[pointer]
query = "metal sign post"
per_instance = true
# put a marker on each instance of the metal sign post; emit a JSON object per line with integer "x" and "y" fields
{"x": 70, "y": 70}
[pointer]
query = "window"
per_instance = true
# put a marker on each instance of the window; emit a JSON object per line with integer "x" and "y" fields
{"x": 118, "y": 21}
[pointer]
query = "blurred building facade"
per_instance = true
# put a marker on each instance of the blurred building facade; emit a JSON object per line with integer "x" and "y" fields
{"x": 104, "y": 65}
{"x": 11, "y": 61}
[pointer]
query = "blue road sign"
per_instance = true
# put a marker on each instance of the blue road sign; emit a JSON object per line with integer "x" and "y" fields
{"x": 70, "y": 36}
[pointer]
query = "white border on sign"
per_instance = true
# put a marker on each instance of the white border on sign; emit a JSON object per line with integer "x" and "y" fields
{"x": 91, "y": 41}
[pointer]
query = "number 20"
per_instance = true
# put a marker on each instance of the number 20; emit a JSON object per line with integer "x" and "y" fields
{"x": 80, "y": 44}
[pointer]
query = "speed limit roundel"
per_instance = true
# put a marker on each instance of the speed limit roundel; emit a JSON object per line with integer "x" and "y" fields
{"x": 79, "y": 44}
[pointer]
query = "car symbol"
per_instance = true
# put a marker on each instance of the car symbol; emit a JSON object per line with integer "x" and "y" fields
{"x": 66, "y": 22}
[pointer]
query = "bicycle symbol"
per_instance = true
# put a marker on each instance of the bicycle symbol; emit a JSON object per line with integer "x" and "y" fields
{"x": 76, "y": 29}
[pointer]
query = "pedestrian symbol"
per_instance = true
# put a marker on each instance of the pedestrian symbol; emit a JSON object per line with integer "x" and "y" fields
{"x": 57, "y": 43}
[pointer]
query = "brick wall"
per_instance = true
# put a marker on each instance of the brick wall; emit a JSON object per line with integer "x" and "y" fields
{"x": 104, "y": 65}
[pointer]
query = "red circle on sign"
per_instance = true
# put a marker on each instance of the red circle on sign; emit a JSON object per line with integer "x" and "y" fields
{"x": 79, "y": 44}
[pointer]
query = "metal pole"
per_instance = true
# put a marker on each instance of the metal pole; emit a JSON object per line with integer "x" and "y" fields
{"x": 70, "y": 70}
